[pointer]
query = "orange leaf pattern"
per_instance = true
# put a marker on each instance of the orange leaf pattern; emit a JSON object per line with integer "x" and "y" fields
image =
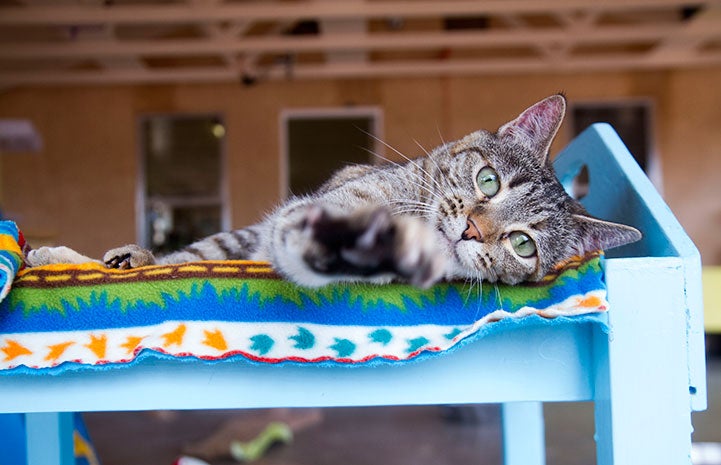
{"x": 57, "y": 350}
{"x": 13, "y": 349}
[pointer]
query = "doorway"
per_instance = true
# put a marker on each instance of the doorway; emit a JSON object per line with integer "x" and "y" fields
{"x": 315, "y": 143}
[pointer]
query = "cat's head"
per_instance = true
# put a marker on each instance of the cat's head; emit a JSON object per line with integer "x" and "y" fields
{"x": 503, "y": 212}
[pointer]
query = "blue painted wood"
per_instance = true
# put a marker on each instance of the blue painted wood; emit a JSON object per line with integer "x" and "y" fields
{"x": 620, "y": 191}
{"x": 649, "y": 369}
{"x": 642, "y": 397}
{"x": 12, "y": 439}
{"x": 556, "y": 354}
{"x": 49, "y": 438}
{"x": 524, "y": 440}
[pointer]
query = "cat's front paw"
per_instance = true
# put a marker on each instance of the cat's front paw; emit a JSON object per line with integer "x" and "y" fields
{"x": 128, "y": 256}
{"x": 53, "y": 255}
{"x": 372, "y": 243}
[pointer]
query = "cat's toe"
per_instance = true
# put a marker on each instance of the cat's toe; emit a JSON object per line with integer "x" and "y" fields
{"x": 118, "y": 261}
{"x": 429, "y": 271}
{"x": 372, "y": 244}
{"x": 359, "y": 244}
{"x": 417, "y": 254}
{"x": 39, "y": 257}
{"x": 369, "y": 242}
{"x": 128, "y": 256}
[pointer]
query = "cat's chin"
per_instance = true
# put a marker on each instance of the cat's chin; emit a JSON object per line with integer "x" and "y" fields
{"x": 458, "y": 265}
{"x": 466, "y": 253}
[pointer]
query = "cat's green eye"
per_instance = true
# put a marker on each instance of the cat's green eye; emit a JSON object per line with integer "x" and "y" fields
{"x": 522, "y": 244}
{"x": 487, "y": 180}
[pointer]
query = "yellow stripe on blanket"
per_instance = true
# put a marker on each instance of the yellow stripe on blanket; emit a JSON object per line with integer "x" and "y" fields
{"x": 95, "y": 272}
{"x": 9, "y": 243}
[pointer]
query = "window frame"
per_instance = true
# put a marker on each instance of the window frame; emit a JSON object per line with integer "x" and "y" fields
{"x": 374, "y": 113}
{"x": 141, "y": 197}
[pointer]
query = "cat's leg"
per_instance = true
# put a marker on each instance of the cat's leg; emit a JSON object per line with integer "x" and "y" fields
{"x": 53, "y": 255}
{"x": 313, "y": 246}
{"x": 234, "y": 245}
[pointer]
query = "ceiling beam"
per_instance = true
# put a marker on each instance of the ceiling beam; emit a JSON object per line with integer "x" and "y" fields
{"x": 354, "y": 70}
{"x": 495, "y": 66}
{"x": 331, "y": 30}
{"x": 353, "y": 9}
{"x": 106, "y": 35}
{"x": 686, "y": 42}
{"x": 353, "y": 41}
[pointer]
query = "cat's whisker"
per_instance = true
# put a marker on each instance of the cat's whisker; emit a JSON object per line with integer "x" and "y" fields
{"x": 429, "y": 157}
{"x": 423, "y": 182}
{"x": 480, "y": 295}
{"x": 401, "y": 199}
{"x": 498, "y": 296}
{"x": 410, "y": 212}
{"x": 433, "y": 193}
{"x": 419, "y": 203}
{"x": 410, "y": 160}
{"x": 398, "y": 203}
{"x": 470, "y": 283}
{"x": 443, "y": 140}
{"x": 418, "y": 165}
{"x": 428, "y": 154}
{"x": 444, "y": 145}
{"x": 406, "y": 208}
{"x": 412, "y": 207}
{"x": 478, "y": 280}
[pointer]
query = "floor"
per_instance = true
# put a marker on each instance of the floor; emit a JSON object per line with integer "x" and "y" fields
{"x": 370, "y": 436}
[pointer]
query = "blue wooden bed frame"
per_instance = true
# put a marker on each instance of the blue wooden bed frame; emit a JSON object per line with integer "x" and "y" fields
{"x": 645, "y": 377}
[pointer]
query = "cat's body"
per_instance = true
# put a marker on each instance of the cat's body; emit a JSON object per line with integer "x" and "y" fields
{"x": 486, "y": 207}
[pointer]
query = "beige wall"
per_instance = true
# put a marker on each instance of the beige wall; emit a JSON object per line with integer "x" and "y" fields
{"x": 80, "y": 191}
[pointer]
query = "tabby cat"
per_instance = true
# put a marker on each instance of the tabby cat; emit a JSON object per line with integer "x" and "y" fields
{"x": 486, "y": 207}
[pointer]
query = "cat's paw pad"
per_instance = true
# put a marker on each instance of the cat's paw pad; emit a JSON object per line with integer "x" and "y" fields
{"x": 373, "y": 242}
{"x": 368, "y": 240}
{"x": 128, "y": 256}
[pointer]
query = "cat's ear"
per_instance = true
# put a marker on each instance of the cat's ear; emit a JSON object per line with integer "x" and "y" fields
{"x": 599, "y": 234}
{"x": 537, "y": 125}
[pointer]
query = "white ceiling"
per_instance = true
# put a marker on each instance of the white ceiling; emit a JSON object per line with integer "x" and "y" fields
{"x": 157, "y": 41}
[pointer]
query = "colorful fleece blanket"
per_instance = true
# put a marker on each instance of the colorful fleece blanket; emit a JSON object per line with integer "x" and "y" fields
{"x": 63, "y": 317}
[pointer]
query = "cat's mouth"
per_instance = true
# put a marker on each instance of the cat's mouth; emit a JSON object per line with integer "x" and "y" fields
{"x": 466, "y": 254}
{"x": 453, "y": 242}
{"x": 467, "y": 260}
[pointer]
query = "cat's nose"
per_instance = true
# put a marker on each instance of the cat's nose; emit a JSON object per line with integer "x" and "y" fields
{"x": 472, "y": 232}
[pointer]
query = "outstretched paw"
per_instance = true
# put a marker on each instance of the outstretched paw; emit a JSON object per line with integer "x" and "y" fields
{"x": 128, "y": 256}
{"x": 373, "y": 242}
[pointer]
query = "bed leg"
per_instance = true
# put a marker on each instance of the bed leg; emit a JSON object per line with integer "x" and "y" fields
{"x": 642, "y": 399}
{"x": 49, "y": 438}
{"x": 524, "y": 440}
